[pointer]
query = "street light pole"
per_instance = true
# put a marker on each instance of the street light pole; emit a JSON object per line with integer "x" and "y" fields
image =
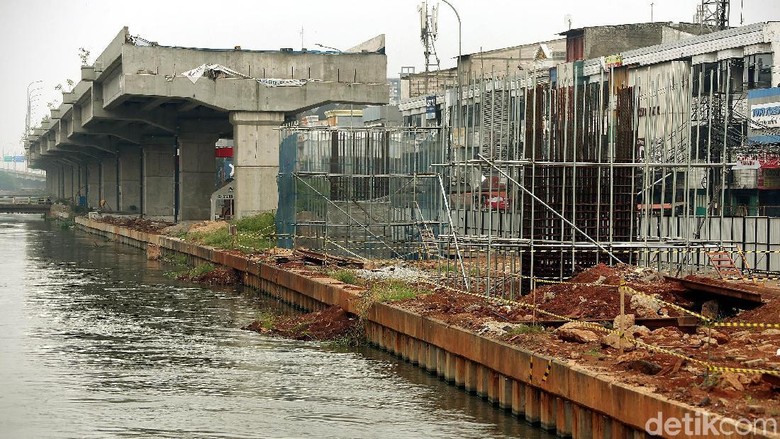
{"x": 460, "y": 92}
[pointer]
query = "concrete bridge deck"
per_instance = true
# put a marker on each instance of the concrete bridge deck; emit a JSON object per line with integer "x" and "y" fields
{"x": 139, "y": 128}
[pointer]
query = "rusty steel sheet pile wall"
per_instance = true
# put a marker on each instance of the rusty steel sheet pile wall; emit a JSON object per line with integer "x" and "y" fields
{"x": 558, "y": 395}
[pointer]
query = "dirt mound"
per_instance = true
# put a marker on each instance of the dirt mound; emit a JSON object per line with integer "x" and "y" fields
{"x": 593, "y": 293}
{"x": 328, "y": 324}
{"x": 208, "y": 226}
{"x": 769, "y": 312}
{"x": 135, "y": 223}
{"x": 217, "y": 276}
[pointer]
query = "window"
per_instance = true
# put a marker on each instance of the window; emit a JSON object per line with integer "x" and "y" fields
{"x": 758, "y": 71}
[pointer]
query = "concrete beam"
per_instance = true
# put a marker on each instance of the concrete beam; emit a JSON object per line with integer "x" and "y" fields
{"x": 122, "y": 133}
{"x": 93, "y": 109}
{"x": 249, "y": 95}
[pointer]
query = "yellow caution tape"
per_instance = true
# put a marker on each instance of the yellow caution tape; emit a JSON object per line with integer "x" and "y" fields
{"x": 547, "y": 371}
{"x": 628, "y": 290}
{"x": 745, "y": 325}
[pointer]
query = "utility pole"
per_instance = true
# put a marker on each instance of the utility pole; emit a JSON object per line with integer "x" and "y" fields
{"x": 651, "y": 12}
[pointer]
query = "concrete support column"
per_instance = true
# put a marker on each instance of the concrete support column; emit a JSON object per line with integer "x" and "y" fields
{"x": 81, "y": 183}
{"x": 159, "y": 178}
{"x": 52, "y": 181}
{"x": 256, "y": 161}
{"x": 197, "y": 174}
{"x": 129, "y": 179}
{"x": 93, "y": 183}
{"x": 109, "y": 183}
{"x": 60, "y": 182}
{"x": 68, "y": 182}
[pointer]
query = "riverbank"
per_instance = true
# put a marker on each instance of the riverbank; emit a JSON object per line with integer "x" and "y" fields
{"x": 571, "y": 397}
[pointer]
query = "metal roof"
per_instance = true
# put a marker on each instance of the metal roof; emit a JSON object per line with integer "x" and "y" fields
{"x": 757, "y": 33}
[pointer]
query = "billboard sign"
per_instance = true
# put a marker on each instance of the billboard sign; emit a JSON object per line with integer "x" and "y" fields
{"x": 765, "y": 115}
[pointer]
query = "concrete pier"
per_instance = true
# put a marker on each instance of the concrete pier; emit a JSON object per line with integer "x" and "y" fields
{"x": 109, "y": 184}
{"x": 159, "y": 155}
{"x": 129, "y": 179}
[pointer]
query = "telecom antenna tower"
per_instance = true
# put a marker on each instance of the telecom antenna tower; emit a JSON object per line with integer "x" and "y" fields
{"x": 429, "y": 28}
{"x": 713, "y": 14}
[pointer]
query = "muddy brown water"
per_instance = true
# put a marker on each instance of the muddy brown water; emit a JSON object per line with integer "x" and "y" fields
{"x": 95, "y": 341}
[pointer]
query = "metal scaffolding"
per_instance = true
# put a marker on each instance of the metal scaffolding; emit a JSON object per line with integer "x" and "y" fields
{"x": 539, "y": 178}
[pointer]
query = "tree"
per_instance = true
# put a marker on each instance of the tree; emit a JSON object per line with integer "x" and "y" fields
{"x": 84, "y": 56}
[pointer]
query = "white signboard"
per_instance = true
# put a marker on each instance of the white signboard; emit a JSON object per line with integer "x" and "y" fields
{"x": 765, "y": 115}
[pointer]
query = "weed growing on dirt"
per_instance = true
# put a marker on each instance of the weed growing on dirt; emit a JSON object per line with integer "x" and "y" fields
{"x": 355, "y": 337}
{"x": 710, "y": 381}
{"x": 173, "y": 274}
{"x": 200, "y": 270}
{"x": 393, "y": 290}
{"x": 177, "y": 259}
{"x": 253, "y": 233}
{"x": 262, "y": 224}
{"x": 67, "y": 224}
{"x": 593, "y": 353}
{"x": 267, "y": 319}
{"x": 526, "y": 329}
{"x": 346, "y": 276}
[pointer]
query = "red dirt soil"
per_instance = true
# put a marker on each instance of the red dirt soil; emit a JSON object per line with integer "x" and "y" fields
{"x": 217, "y": 276}
{"x": 328, "y": 324}
{"x": 139, "y": 224}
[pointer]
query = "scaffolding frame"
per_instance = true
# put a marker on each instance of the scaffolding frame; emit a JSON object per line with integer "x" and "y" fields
{"x": 531, "y": 178}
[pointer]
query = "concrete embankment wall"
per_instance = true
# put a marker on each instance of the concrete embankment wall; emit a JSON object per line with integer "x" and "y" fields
{"x": 560, "y": 396}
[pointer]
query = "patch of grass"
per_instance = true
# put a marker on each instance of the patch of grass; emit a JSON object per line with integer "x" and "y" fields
{"x": 710, "y": 381}
{"x": 346, "y": 276}
{"x": 593, "y": 353}
{"x": 356, "y": 337}
{"x": 173, "y": 274}
{"x": 253, "y": 233}
{"x": 526, "y": 329}
{"x": 267, "y": 319}
{"x": 217, "y": 238}
{"x": 200, "y": 270}
{"x": 262, "y": 224}
{"x": 393, "y": 291}
{"x": 177, "y": 259}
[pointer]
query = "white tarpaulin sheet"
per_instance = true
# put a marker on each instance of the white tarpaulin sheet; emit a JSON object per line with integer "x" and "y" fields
{"x": 219, "y": 71}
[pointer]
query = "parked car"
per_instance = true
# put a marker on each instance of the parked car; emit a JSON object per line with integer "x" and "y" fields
{"x": 496, "y": 202}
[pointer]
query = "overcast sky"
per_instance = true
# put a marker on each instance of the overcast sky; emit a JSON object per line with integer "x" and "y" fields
{"x": 40, "y": 38}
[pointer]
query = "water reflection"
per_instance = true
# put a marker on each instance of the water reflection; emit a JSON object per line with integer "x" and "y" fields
{"x": 95, "y": 341}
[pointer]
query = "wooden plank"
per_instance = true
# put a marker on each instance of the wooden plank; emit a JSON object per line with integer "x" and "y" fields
{"x": 724, "y": 291}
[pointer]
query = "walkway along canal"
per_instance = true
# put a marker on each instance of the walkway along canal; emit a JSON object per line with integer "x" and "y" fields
{"x": 95, "y": 341}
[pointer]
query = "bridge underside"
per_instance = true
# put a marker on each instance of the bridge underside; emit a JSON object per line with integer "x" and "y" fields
{"x": 137, "y": 135}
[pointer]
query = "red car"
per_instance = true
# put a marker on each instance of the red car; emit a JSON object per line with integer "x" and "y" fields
{"x": 497, "y": 202}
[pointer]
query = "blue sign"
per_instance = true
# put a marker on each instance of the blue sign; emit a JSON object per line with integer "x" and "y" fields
{"x": 13, "y": 158}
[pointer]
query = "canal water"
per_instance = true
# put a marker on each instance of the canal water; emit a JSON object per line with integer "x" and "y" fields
{"x": 95, "y": 341}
